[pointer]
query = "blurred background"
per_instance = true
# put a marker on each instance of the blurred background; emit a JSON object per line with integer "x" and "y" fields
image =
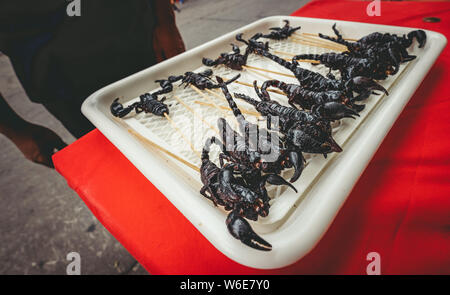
{"x": 41, "y": 218}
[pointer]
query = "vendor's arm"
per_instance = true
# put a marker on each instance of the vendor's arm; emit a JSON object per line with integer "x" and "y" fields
{"x": 167, "y": 41}
{"x": 37, "y": 143}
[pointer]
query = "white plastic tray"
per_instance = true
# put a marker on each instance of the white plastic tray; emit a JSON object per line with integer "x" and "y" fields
{"x": 296, "y": 221}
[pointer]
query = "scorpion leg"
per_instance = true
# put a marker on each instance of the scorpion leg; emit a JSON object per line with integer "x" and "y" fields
{"x": 336, "y": 32}
{"x": 211, "y": 197}
{"x": 240, "y": 229}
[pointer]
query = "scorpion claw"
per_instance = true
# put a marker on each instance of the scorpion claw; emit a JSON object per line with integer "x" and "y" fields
{"x": 278, "y": 180}
{"x": 363, "y": 83}
{"x": 335, "y": 146}
{"x": 336, "y": 111}
{"x": 358, "y": 107}
{"x": 420, "y": 35}
{"x": 117, "y": 109}
{"x": 298, "y": 163}
{"x": 240, "y": 229}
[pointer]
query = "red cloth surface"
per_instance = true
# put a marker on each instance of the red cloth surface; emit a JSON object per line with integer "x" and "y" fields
{"x": 399, "y": 208}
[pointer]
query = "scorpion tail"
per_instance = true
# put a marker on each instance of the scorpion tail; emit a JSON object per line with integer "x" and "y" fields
{"x": 233, "y": 79}
{"x": 229, "y": 98}
{"x": 207, "y": 147}
{"x": 307, "y": 56}
{"x": 270, "y": 83}
{"x": 239, "y": 38}
{"x": 246, "y": 98}
{"x": 240, "y": 229}
{"x": 276, "y": 59}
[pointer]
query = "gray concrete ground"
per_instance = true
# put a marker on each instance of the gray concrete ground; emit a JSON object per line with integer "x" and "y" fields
{"x": 41, "y": 218}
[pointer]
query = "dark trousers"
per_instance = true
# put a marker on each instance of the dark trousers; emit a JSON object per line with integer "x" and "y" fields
{"x": 68, "y": 112}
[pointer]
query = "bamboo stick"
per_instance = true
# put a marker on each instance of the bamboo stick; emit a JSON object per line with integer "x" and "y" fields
{"x": 317, "y": 35}
{"x": 210, "y": 100}
{"x": 150, "y": 143}
{"x": 197, "y": 114}
{"x": 248, "y": 85}
{"x": 256, "y": 114}
{"x": 316, "y": 45}
{"x": 257, "y": 73}
{"x": 181, "y": 134}
{"x": 324, "y": 42}
{"x": 269, "y": 71}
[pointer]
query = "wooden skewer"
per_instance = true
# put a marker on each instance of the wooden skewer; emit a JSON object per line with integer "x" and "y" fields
{"x": 209, "y": 99}
{"x": 316, "y": 45}
{"x": 228, "y": 109}
{"x": 324, "y": 42}
{"x": 269, "y": 71}
{"x": 257, "y": 73}
{"x": 150, "y": 143}
{"x": 317, "y": 35}
{"x": 182, "y": 135}
{"x": 160, "y": 148}
{"x": 248, "y": 85}
{"x": 197, "y": 114}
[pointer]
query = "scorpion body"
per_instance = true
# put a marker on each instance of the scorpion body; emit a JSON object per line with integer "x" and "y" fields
{"x": 257, "y": 150}
{"x": 381, "y": 38}
{"x": 315, "y": 81}
{"x": 303, "y": 130}
{"x": 281, "y": 33}
{"x": 233, "y": 60}
{"x": 200, "y": 80}
{"x": 350, "y": 66}
{"x": 335, "y": 101}
{"x": 148, "y": 103}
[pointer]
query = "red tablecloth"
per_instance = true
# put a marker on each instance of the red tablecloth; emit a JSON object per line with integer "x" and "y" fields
{"x": 399, "y": 208}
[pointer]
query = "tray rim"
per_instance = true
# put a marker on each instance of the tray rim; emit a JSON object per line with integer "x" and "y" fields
{"x": 304, "y": 240}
